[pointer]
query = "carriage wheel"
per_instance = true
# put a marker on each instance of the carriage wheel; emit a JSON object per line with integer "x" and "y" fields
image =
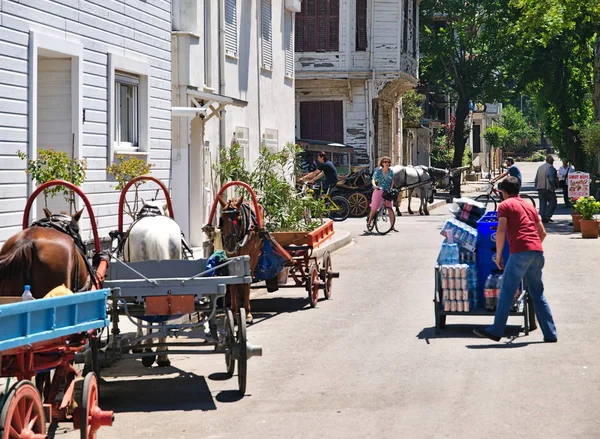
{"x": 359, "y": 204}
{"x": 327, "y": 276}
{"x": 229, "y": 342}
{"x": 91, "y": 416}
{"x": 243, "y": 353}
{"x": 22, "y": 415}
{"x": 313, "y": 285}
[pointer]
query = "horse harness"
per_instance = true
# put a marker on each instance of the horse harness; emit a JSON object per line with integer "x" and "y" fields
{"x": 421, "y": 182}
{"x": 146, "y": 211}
{"x": 63, "y": 224}
{"x": 249, "y": 220}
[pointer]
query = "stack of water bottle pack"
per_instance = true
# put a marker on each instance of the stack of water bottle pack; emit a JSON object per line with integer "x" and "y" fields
{"x": 460, "y": 233}
{"x": 458, "y": 278}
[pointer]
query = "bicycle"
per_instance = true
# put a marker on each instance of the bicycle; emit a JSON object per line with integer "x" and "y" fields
{"x": 495, "y": 197}
{"x": 337, "y": 206}
{"x": 385, "y": 218}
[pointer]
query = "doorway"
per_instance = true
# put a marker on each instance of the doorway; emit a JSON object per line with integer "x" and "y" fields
{"x": 54, "y": 127}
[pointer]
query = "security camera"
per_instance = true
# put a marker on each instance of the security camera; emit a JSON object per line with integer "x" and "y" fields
{"x": 202, "y": 115}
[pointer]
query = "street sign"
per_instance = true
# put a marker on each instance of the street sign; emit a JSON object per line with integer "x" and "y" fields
{"x": 579, "y": 184}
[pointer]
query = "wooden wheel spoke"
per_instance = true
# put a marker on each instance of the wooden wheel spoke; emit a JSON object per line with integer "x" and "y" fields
{"x": 28, "y": 411}
{"x": 17, "y": 418}
{"x": 13, "y": 433}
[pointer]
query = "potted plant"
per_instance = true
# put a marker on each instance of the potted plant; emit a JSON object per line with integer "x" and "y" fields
{"x": 588, "y": 207}
{"x": 575, "y": 217}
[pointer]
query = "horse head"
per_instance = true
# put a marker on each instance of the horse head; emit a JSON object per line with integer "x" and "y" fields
{"x": 152, "y": 208}
{"x": 67, "y": 221}
{"x": 232, "y": 224}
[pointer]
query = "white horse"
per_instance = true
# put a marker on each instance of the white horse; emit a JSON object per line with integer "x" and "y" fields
{"x": 153, "y": 237}
{"x": 419, "y": 180}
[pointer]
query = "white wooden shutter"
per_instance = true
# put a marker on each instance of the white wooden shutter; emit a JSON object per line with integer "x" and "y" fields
{"x": 231, "y": 34}
{"x": 289, "y": 43}
{"x": 267, "y": 35}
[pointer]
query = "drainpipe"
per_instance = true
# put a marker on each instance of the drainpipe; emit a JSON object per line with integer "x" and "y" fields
{"x": 221, "y": 70}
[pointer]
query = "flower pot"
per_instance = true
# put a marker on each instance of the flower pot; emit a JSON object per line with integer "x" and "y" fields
{"x": 589, "y": 228}
{"x": 576, "y": 218}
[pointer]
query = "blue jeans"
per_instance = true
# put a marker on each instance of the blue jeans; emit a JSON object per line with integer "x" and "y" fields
{"x": 526, "y": 265}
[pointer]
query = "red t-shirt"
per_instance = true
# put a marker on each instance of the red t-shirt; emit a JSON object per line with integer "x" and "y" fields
{"x": 521, "y": 225}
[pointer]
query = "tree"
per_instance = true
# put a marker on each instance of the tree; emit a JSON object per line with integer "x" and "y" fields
{"x": 518, "y": 130}
{"x": 555, "y": 41}
{"x": 411, "y": 108}
{"x": 496, "y": 136}
{"x": 465, "y": 46}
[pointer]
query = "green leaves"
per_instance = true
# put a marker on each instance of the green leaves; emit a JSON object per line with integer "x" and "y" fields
{"x": 285, "y": 208}
{"x": 55, "y": 165}
{"x": 125, "y": 169}
{"x": 496, "y": 136}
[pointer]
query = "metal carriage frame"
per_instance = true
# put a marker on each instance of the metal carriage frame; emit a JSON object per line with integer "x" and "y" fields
{"x": 43, "y": 335}
{"x": 177, "y": 298}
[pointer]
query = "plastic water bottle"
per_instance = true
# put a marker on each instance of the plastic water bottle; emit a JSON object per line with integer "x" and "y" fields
{"x": 444, "y": 254}
{"x": 27, "y": 293}
{"x": 488, "y": 292}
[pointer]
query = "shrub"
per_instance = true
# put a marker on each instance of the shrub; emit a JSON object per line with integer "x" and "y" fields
{"x": 124, "y": 170}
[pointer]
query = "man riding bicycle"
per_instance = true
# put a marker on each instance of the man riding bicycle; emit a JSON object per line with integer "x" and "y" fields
{"x": 512, "y": 170}
{"x": 326, "y": 168}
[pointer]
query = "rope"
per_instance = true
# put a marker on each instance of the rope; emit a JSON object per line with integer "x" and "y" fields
{"x": 152, "y": 281}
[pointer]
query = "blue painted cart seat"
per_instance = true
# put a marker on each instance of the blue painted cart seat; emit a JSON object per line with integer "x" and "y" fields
{"x": 33, "y": 321}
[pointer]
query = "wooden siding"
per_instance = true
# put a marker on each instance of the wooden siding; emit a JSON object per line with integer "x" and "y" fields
{"x": 133, "y": 28}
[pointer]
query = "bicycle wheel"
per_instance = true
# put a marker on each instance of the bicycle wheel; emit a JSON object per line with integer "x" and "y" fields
{"x": 341, "y": 210}
{"x": 384, "y": 220}
{"x": 489, "y": 201}
{"x": 530, "y": 198}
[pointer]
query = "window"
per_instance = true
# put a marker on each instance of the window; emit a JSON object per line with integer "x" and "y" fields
{"x": 361, "y": 25}
{"x": 476, "y": 139}
{"x": 289, "y": 43}
{"x": 126, "y": 110}
{"x": 317, "y": 26}
{"x": 266, "y": 34}
{"x": 322, "y": 120}
{"x": 128, "y": 105}
{"x": 405, "y": 27}
{"x": 271, "y": 140}
{"x": 231, "y": 36}
{"x": 242, "y": 136}
{"x": 415, "y": 27}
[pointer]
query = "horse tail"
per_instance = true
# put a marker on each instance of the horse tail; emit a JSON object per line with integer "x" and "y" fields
{"x": 15, "y": 265}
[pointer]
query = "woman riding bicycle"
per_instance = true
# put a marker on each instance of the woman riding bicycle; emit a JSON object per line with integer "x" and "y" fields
{"x": 383, "y": 180}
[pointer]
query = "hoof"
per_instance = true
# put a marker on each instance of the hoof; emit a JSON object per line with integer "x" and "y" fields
{"x": 427, "y": 213}
{"x": 136, "y": 350}
{"x": 249, "y": 319}
{"x": 411, "y": 213}
{"x": 148, "y": 361}
{"x": 164, "y": 363}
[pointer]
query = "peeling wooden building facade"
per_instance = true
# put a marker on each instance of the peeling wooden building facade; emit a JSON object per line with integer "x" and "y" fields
{"x": 354, "y": 61}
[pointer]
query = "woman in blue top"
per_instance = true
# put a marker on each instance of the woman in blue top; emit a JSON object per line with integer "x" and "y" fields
{"x": 383, "y": 180}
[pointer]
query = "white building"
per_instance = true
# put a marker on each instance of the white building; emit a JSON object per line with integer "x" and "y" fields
{"x": 233, "y": 75}
{"x": 90, "y": 77}
{"x": 482, "y": 117}
{"x": 354, "y": 61}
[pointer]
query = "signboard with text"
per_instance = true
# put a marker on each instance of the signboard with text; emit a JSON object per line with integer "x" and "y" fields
{"x": 579, "y": 184}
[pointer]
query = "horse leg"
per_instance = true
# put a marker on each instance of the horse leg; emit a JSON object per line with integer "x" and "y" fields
{"x": 163, "y": 359}
{"x": 148, "y": 361}
{"x": 410, "y": 194}
{"x": 398, "y": 201}
{"x": 425, "y": 208}
{"x": 246, "y": 291}
{"x": 137, "y": 347}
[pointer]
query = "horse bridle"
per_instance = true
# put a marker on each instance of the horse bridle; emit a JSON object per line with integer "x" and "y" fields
{"x": 241, "y": 233}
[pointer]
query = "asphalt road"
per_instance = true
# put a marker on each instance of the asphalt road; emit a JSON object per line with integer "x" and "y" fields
{"x": 367, "y": 363}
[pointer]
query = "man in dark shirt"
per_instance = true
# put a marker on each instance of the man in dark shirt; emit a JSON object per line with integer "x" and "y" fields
{"x": 326, "y": 168}
{"x": 512, "y": 170}
{"x": 519, "y": 221}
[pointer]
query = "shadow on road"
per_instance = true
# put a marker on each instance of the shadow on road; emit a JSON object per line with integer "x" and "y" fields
{"x": 265, "y": 308}
{"x": 186, "y": 392}
{"x": 460, "y": 331}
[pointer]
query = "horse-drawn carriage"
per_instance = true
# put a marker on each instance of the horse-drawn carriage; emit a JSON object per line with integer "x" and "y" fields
{"x": 41, "y": 338}
{"x": 168, "y": 297}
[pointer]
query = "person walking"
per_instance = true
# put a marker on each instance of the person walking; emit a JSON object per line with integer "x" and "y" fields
{"x": 545, "y": 183}
{"x": 519, "y": 221}
{"x": 563, "y": 180}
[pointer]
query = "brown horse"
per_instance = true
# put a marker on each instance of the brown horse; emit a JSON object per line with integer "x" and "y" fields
{"x": 241, "y": 236}
{"x": 43, "y": 258}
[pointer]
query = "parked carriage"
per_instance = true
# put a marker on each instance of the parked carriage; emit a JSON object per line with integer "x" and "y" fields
{"x": 177, "y": 299}
{"x": 38, "y": 337}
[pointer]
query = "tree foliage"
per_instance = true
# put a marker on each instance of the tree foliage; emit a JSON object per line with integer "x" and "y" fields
{"x": 519, "y": 131}
{"x": 125, "y": 169}
{"x": 496, "y": 136}
{"x": 411, "y": 108}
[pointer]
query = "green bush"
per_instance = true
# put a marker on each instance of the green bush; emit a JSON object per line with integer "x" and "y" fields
{"x": 285, "y": 208}
{"x": 587, "y": 207}
{"x": 124, "y": 170}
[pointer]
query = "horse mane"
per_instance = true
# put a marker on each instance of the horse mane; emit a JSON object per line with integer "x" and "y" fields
{"x": 17, "y": 262}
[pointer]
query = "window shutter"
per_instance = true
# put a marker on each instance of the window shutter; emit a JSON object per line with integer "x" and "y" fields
{"x": 338, "y": 122}
{"x": 267, "y": 34}
{"x": 289, "y": 43}
{"x": 231, "y": 27}
{"x": 333, "y": 22}
{"x": 322, "y": 120}
{"x": 299, "y": 33}
{"x": 405, "y": 30}
{"x": 361, "y": 24}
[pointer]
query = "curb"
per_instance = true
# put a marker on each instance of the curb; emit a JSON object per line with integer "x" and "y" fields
{"x": 346, "y": 238}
